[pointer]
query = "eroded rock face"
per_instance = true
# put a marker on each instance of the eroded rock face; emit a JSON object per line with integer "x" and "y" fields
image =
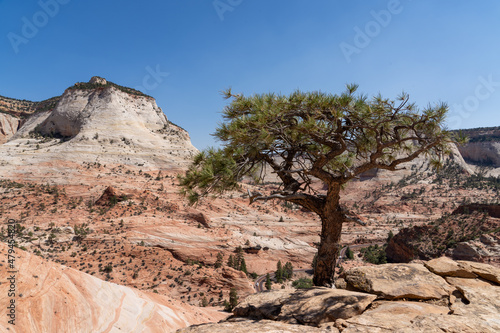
{"x": 8, "y": 127}
{"x": 448, "y": 324}
{"x": 396, "y": 281}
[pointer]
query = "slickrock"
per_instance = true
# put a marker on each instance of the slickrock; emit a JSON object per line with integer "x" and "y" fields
{"x": 54, "y": 298}
{"x": 396, "y": 281}
{"x": 481, "y": 300}
{"x": 448, "y": 324}
{"x": 390, "y": 316}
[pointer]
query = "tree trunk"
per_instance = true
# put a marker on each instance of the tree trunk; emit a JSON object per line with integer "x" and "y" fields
{"x": 328, "y": 252}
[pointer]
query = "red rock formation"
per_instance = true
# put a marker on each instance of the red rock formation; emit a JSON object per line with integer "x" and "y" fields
{"x": 110, "y": 197}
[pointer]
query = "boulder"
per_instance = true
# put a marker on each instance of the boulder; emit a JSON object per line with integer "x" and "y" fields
{"x": 465, "y": 251}
{"x": 322, "y": 305}
{"x": 265, "y": 305}
{"x": 199, "y": 217}
{"x": 444, "y": 266}
{"x": 396, "y": 281}
{"x": 485, "y": 248}
{"x": 485, "y": 271}
{"x": 310, "y": 307}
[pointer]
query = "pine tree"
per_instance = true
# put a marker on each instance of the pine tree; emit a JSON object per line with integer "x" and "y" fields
{"x": 349, "y": 253}
{"x": 243, "y": 266}
{"x": 230, "y": 261}
{"x": 239, "y": 256}
{"x": 268, "y": 282}
{"x": 218, "y": 262}
{"x": 233, "y": 300}
{"x": 288, "y": 271}
{"x": 279, "y": 272}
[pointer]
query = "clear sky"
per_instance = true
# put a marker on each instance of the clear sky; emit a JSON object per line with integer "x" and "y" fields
{"x": 184, "y": 52}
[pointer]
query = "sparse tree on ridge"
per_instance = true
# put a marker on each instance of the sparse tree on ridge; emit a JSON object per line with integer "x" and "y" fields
{"x": 310, "y": 137}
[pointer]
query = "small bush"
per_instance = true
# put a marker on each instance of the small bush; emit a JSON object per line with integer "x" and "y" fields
{"x": 302, "y": 283}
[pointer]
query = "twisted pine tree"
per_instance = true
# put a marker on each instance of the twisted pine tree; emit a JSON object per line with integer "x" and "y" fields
{"x": 310, "y": 137}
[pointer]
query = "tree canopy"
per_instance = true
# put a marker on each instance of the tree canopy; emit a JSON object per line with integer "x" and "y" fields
{"x": 307, "y": 137}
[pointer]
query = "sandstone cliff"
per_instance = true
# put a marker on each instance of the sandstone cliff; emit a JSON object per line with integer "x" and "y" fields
{"x": 483, "y": 147}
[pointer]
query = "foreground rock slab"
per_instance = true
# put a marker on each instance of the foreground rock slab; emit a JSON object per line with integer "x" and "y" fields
{"x": 481, "y": 300}
{"x": 397, "y": 281}
{"x": 262, "y": 326}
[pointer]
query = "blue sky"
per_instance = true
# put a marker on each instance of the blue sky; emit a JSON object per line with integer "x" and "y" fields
{"x": 436, "y": 51}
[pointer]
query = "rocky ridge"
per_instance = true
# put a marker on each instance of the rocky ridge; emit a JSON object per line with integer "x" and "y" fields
{"x": 440, "y": 295}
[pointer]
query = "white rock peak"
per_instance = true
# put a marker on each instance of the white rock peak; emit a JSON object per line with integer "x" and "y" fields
{"x": 105, "y": 123}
